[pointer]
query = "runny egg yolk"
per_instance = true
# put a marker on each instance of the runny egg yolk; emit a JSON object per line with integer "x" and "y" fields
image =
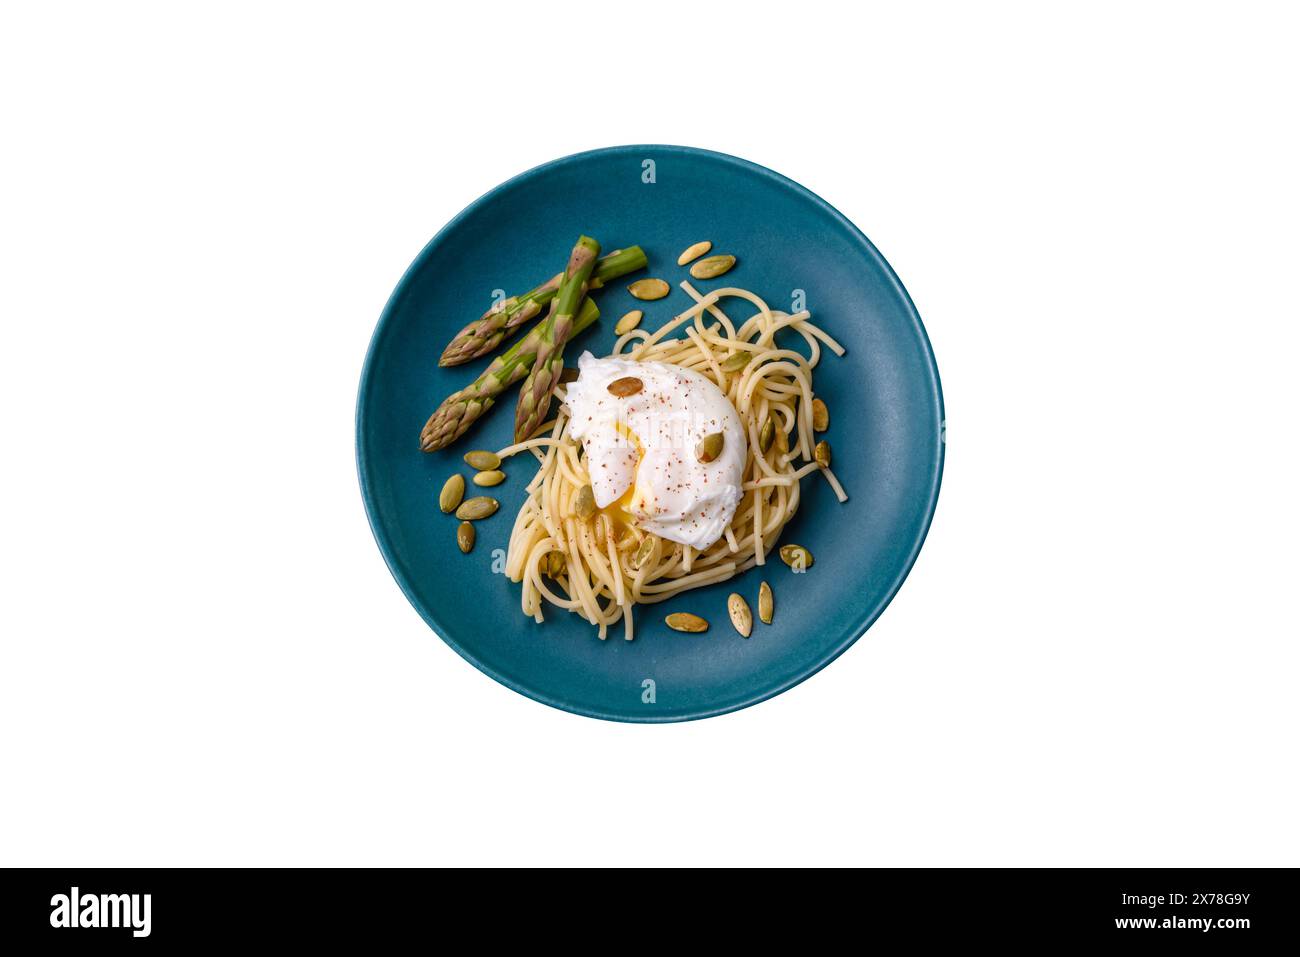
{"x": 620, "y": 512}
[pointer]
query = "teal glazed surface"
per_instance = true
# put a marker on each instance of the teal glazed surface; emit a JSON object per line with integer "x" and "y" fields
{"x": 884, "y": 399}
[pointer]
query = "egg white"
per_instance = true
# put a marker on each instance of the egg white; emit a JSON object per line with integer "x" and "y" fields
{"x": 641, "y": 448}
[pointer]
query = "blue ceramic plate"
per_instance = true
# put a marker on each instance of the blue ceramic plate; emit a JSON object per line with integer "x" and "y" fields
{"x": 883, "y": 395}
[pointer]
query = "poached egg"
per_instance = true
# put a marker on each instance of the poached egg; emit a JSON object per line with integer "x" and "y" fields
{"x": 642, "y": 425}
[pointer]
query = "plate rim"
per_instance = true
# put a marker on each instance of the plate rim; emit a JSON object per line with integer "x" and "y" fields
{"x": 394, "y": 563}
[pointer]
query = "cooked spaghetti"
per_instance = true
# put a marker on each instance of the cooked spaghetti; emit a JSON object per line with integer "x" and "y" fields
{"x": 599, "y": 567}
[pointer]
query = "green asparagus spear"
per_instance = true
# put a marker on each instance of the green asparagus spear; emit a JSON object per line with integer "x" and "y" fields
{"x": 553, "y": 332}
{"x": 461, "y": 409}
{"x": 486, "y": 333}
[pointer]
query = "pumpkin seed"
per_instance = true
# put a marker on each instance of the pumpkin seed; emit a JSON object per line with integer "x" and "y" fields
{"x": 685, "y": 621}
{"x": 821, "y": 415}
{"x": 465, "y": 537}
{"x": 736, "y": 361}
{"x": 472, "y": 509}
{"x": 765, "y": 603}
{"x": 694, "y": 252}
{"x": 644, "y": 553}
{"x": 628, "y": 322}
{"x": 568, "y": 374}
{"x": 554, "y": 564}
{"x": 710, "y": 447}
{"x": 626, "y": 386}
{"x": 740, "y": 614}
{"x": 453, "y": 490}
{"x": 797, "y": 557}
{"x": 489, "y": 478}
{"x": 585, "y": 505}
{"x": 822, "y": 454}
{"x": 766, "y": 434}
{"x": 482, "y": 461}
{"x": 648, "y": 289}
{"x": 712, "y": 267}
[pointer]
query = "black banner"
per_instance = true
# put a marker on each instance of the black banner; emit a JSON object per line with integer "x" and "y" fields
{"x": 169, "y": 907}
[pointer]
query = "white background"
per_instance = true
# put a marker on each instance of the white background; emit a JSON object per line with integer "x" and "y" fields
{"x": 204, "y": 659}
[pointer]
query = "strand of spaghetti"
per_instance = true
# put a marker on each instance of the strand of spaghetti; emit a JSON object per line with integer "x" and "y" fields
{"x": 578, "y": 581}
{"x": 609, "y": 613}
{"x": 682, "y": 584}
{"x": 733, "y": 546}
{"x": 721, "y": 574}
{"x": 602, "y": 577}
{"x": 790, "y": 504}
{"x": 627, "y": 337}
{"x": 746, "y": 295}
{"x": 835, "y": 484}
{"x": 713, "y": 327}
{"x": 611, "y": 572}
{"x": 779, "y": 399}
{"x": 805, "y": 405}
{"x": 772, "y": 527}
{"x": 571, "y": 455}
{"x": 546, "y": 527}
{"x": 548, "y": 459}
{"x": 695, "y": 361}
{"x": 790, "y": 478}
{"x": 676, "y": 321}
{"x": 712, "y": 555}
{"x": 736, "y": 344}
{"x": 819, "y": 332}
{"x": 767, "y": 326}
{"x": 814, "y": 347}
{"x": 714, "y": 309}
{"x": 753, "y": 329}
{"x": 670, "y": 351}
{"x": 518, "y": 447}
{"x": 810, "y": 332}
{"x": 760, "y": 461}
{"x": 532, "y": 588}
{"x": 567, "y": 466}
{"x": 662, "y": 567}
{"x": 539, "y": 582}
{"x": 786, "y": 319}
{"x": 616, "y": 571}
{"x": 523, "y": 537}
{"x": 698, "y": 322}
{"x": 634, "y": 588}
{"x": 543, "y": 469}
{"x": 709, "y": 357}
{"x": 523, "y": 522}
{"x": 776, "y": 384}
{"x": 548, "y": 424}
{"x": 770, "y": 362}
{"x": 551, "y": 510}
{"x": 595, "y": 538}
{"x": 532, "y": 603}
{"x": 787, "y": 415}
